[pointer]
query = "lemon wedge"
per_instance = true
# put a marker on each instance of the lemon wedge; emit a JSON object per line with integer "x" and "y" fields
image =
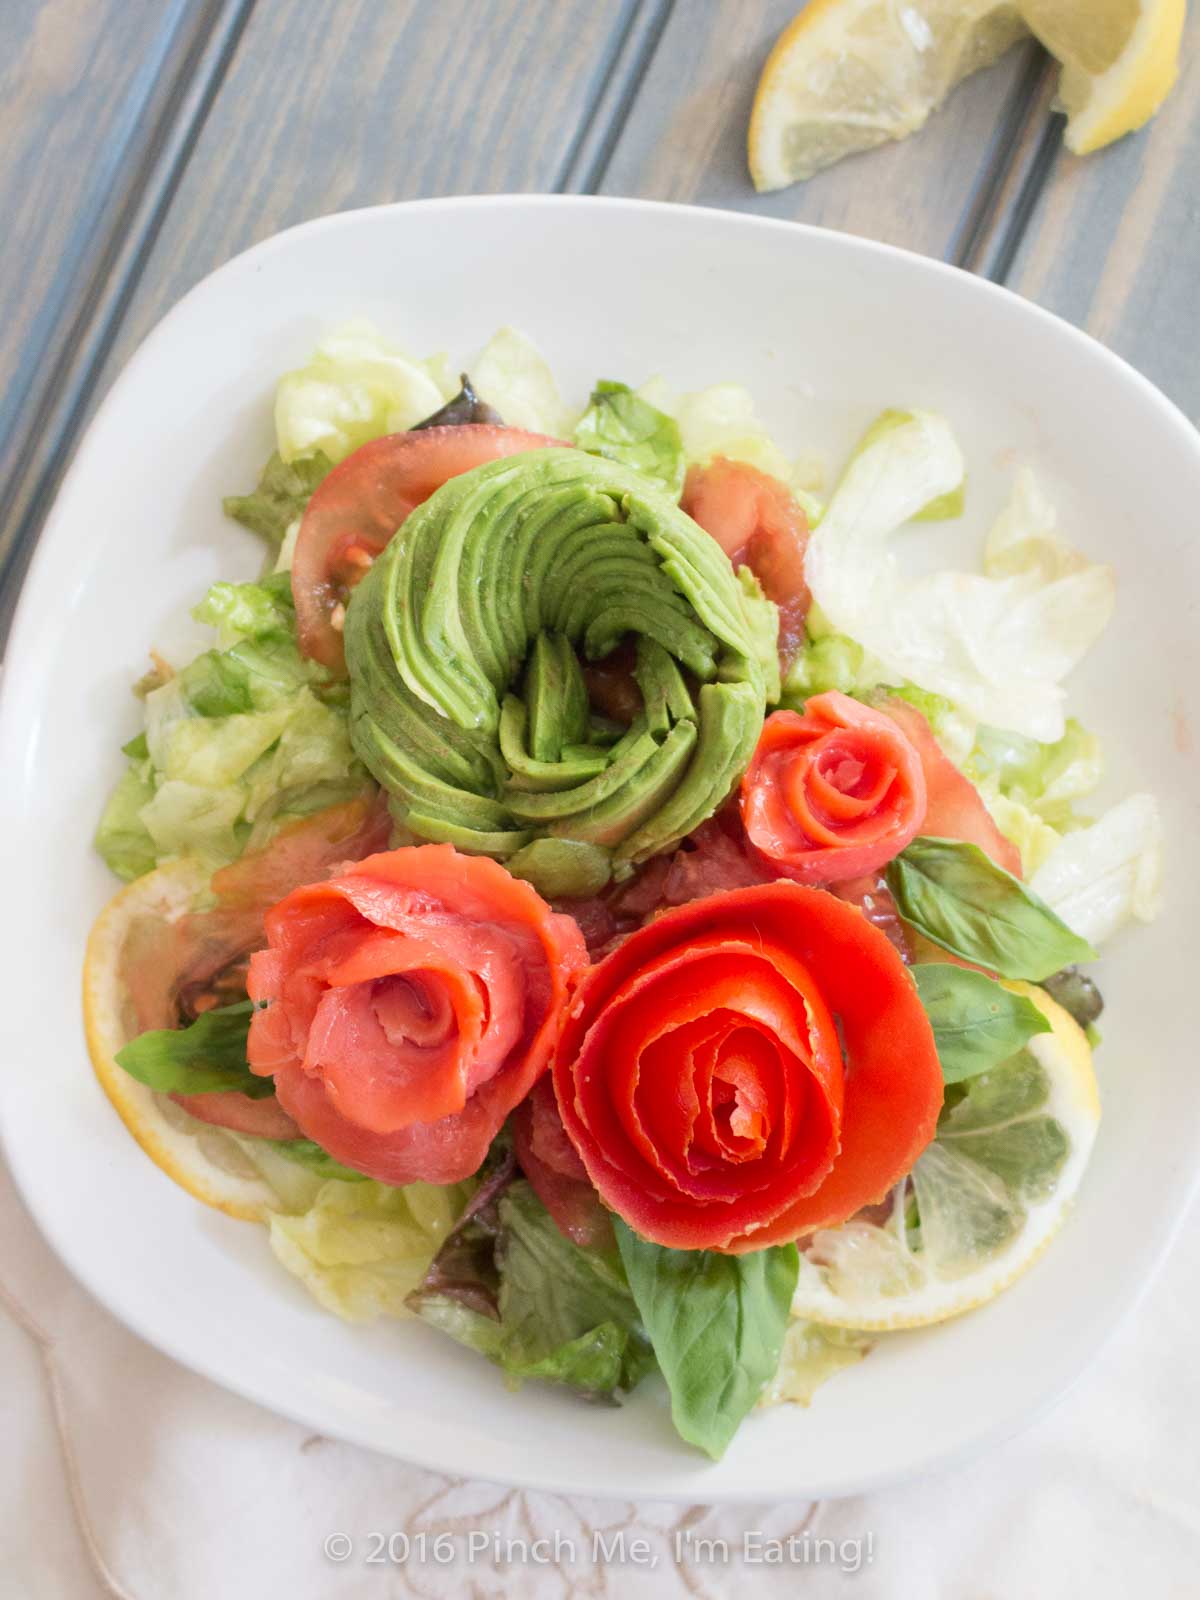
{"x": 847, "y": 75}
{"x": 206, "y": 1161}
{"x": 1119, "y": 58}
{"x": 982, "y": 1202}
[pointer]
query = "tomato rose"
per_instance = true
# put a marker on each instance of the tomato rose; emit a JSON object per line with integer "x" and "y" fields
{"x": 410, "y": 1004}
{"x": 700, "y": 1075}
{"x": 834, "y": 793}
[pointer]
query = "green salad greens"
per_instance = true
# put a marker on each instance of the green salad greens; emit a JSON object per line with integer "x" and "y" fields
{"x": 548, "y": 662}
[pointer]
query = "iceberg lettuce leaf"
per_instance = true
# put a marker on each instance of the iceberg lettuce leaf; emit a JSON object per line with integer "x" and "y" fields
{"x": 997, "y": 646}
{"x": 284, "y": 489}
{"x": 357, "y": 386}
{"x": 512, "y": 376}
{"x": 1099, "y": 877}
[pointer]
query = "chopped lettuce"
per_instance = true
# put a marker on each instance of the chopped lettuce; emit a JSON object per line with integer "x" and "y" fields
{"x": 722, "y": 421}
{"x": 284, "y": 489}
{"x": 1034, "y": 838}
{"x": 1098, "y": 877}
{"x": 512, "y": 376}
{"x": 186, "y": 819}
{"x": 625, "y": 427}
{"x": 247, "y": 733}
{"x": 950, "y": 725}
{"x": 1030, "y": 788}
{"x": 509, "y": 1285}
{"x": 362, "y": 1247}
{"x": 242, "y": 612}
{"x": 122, "y": 837}
{"x": 1044, "y": 778}
{"x": 997, "y": 644}
{"x": 357, "y": 386}
{"x": 811, "y": 1355}
{"x": 831, "y": 661}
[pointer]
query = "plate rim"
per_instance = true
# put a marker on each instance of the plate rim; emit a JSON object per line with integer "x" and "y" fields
{"x": 13, "y": 696}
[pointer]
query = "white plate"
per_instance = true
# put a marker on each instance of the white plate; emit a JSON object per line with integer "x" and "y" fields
{"x": 827, "y": 330}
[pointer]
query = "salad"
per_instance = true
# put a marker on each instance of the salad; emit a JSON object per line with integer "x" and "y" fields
{"x": 592, "y": 898}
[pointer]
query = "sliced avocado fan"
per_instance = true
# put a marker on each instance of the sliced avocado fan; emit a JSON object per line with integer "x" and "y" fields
{"x": 468, "y": 700}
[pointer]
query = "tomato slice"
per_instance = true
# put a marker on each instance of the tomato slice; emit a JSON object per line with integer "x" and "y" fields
{"x": 359, "y": 506}
{"x": 759, "y": 524}
{"x": 953, "y": 806}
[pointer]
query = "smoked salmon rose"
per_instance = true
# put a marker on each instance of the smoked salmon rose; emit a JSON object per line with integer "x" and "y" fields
{"x": 746, "y": 1069}
{"x": 833, "y": 793}
{"x": 408, "y": 1005}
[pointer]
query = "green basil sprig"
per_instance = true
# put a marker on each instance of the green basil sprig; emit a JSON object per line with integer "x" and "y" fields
{"x": 716, "y": 1323}
{"x": 206, "y": 1058}
{"x": 976, "y": 1022}
{"x": 960, "y": 899}
{"x": 622, "y": 426}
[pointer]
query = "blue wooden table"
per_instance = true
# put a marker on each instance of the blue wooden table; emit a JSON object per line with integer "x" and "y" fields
{"x": 143, "y": 142}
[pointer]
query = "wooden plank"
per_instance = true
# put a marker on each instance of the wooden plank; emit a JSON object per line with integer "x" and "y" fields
{"x": 352, "y": 103}
{"x": 1113, "y": 240}
{"x": 685, "y": 137}
{"x": 132, "y": 160}
{"x": 74, "y": 78}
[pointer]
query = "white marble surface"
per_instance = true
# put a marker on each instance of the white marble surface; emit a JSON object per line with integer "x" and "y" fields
{"x": 125, "y": 1475}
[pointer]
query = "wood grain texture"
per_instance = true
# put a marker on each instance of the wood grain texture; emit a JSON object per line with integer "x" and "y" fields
{"x": 685, "y": 137}
{"x": 340, "y": 103}
{"x": 1113, "y": 240}
{"x": 73, "y": 78}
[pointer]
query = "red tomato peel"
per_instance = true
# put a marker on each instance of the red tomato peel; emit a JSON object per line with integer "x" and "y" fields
{"x": 700, "y": 1079}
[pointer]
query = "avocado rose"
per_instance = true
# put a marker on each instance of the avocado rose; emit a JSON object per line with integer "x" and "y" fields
{"x": 746, "y": 1069}
{"x": 468, "y": 700}
{"x": 408, "y": 1005}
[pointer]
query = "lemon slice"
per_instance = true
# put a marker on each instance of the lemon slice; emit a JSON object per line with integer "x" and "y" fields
{"x": 982, "y": 1202}
{"x": 1119, "y": 58}
{"x": 206, "y": 1161}
{"x": 847, "y": 75}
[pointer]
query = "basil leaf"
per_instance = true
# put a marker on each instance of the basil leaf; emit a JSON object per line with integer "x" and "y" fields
{"x": 622, "y": 426}
{"x": 717, "y": 1324}
{"x": 960, "y": 899}
{"x": 284, "y": 489}
{"x": 976, "y": 1022}
{"x": 208, "y": 1057}
{"x": 508, "y": 1284}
